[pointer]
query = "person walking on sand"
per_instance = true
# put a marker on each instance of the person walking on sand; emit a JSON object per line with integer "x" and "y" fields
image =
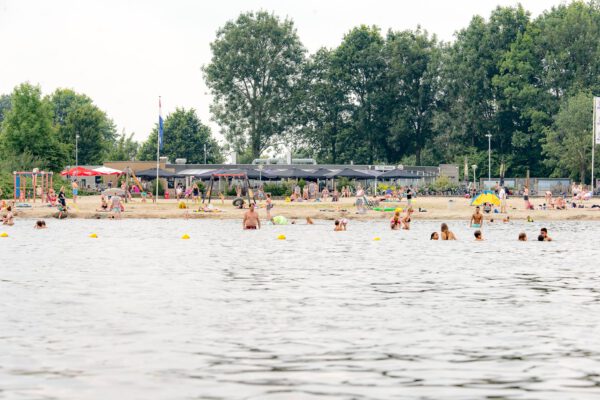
{"x": 75, "y": 189}
{"x": 477, "y": 218}
{"x": 269, "y": 206}
{"x": 251, "y": 219}
{"x": 502, "y": 195}
{"x": 116, "y": 206}
{"x": 526, "y": 198}
{"x": 62, "y": 200}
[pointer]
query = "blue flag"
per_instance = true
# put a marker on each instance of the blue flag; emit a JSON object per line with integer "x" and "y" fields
{"x": 160, "y": 125}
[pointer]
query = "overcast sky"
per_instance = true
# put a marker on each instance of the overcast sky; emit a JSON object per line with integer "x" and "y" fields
{"x": 124, "y": 54}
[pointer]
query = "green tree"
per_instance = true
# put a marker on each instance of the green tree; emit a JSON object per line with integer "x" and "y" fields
{"x": 4, "y": 106}
{"x": 123, "y": 148}
{"x": 323, "y": 109}
{"x": 568, "y": 143}
{"x": 413, "y": 71}
{"x": 184, "y": 136}
{"x": 252, "y": 75}
{"x": 473, "y": 105}
{"x": 361, "y": 65}
{"x": 75, "y": 114}
{"x": 28, "y": 128}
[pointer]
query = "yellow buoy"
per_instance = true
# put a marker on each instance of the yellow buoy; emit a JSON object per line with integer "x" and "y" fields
{"x": 3, "y": 234}
{"x": 281, "y": 237}
{"x": 186, "y": 236}
{"x": 377, "y": 238}
{"x": 93, "y": 236}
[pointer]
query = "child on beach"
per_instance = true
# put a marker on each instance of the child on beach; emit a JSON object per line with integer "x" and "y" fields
{"x": 8, "y": 219}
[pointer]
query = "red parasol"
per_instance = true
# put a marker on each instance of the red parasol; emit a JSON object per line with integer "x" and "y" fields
{"x": 80, "y": 171}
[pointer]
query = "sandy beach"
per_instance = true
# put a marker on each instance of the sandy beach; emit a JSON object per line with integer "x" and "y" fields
{"x": 437, "y": 208}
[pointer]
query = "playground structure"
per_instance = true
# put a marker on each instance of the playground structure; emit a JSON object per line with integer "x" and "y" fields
{"x": 31, "y": 185}
{"x": 238, "y": 201}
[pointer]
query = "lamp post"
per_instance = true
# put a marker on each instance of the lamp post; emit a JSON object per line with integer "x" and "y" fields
{"x": 204, "y": 153}
{"x": 474, "y": 166}
{"x": 260, "y": 168}
{"x": 489, "y": 136}
{"x": 76, "y": 150}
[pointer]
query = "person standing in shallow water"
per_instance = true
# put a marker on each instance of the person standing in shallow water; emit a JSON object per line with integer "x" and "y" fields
{"x": 477, "y": 218}
{"x": 251, "y": 219}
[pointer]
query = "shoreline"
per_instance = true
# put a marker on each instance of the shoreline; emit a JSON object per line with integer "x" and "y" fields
{"x": 437, "y": 208}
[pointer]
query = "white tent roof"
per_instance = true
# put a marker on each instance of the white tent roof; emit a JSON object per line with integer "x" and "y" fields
{"x": 108, "y": 171}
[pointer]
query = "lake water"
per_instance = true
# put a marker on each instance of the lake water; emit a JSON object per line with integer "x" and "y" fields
{"x": 141, "y": 314}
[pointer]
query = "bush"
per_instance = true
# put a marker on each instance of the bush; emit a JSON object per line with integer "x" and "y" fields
{"x": 151, "y": 187}
{"x": 278, "y": 189}
{"x": 443, "y": 184}
{"x": 343, "y": 181}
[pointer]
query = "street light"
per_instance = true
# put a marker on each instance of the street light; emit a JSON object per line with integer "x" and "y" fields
{"x": 260, "y": 168}
{"x": 474, "y": 166}
{"x": 76, "y": 150}
{"x": 204, "y": 153}
{"x": 489, "y": 136}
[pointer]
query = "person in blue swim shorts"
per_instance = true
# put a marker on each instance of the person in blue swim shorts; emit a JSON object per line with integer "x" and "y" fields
{"x": 477, "y": 218}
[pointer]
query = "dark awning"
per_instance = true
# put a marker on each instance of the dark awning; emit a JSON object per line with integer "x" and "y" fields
{"x": 151, "y": 173}
{"x": 351, "y": 174}
{"x": 399, "y": 174}
{"x": 294, "y": 173}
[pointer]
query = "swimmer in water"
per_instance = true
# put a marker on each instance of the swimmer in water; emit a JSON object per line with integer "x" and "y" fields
{"x": 40, "y": 224}
{"x": 477, "y": 218}
{"x": 506, "y": 220}
{"x": 544, "y": 233}
{"x": 251, "y": 219}
{"x": 434, "y": 236}
{"x": 309, "y": 221}
{"x": 337, "y": 226}
{"x": 522, "y": 237}
{"x": 447, "y": 234}
{"x": 540, "y": 238}
{"x": 478, "y": 236}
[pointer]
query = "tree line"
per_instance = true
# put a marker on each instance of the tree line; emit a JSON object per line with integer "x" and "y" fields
{"x": 406, "y": 97}
{"x": 40, "y": 131}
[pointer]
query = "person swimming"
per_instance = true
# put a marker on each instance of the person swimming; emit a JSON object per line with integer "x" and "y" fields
{"x": 522, "y": 237}
{"x": 478, "y": 235}
{"x": 337, "y": 226}
{"x": 540, "y": 238}
{"x": 40, "y": 224}
{"x": 477, "y": 218}
{"x": 447, "y": 234}
{"x": 434, "y": 236}
{"x": 544, "y": 234}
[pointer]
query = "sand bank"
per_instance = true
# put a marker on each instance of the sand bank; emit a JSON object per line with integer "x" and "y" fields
{"x": 437, "y": 208}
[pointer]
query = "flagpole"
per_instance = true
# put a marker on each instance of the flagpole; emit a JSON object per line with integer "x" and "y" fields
{"x": 594, "y": 133}
{"x": 158, "y": 147}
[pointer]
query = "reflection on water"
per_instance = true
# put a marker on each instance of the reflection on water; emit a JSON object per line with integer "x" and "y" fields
{"x": 139, "y": 313}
